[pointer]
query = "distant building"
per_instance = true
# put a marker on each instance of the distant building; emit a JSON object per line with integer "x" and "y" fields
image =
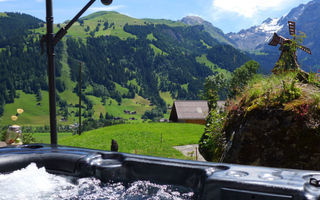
{"x": 189, "y": 112}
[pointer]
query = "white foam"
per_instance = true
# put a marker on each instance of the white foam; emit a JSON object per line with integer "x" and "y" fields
{"x": 35, "y": 183}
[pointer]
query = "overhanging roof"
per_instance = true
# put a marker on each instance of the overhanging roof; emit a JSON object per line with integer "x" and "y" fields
{"x": 191, "y": 109}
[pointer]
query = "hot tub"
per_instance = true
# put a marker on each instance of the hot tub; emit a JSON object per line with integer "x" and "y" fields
{"x": 207, "y": 181}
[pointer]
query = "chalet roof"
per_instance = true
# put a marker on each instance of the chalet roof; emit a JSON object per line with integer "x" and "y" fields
{"x": 191, "y": 109}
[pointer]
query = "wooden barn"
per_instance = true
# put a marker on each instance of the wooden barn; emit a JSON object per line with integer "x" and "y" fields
{"x": 189, "y": 112}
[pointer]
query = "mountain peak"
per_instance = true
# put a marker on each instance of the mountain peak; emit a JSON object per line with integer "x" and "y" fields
{"x": 192, "y": 20}
{"x": 215, "y": 32}
{"x": 268, "y": 20}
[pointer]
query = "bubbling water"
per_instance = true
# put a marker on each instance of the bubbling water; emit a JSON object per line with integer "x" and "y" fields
{"x": 35, "y": 183}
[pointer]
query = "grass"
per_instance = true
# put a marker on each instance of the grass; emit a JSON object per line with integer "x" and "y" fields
{"x": 166, "y": 96}
{"x": 165, "y": 21}
{"x": 134, "y": 82}
{"x": 3, "y": 14}
{"x": 142, "y": 138}
{"x": 185, "y": 86}
{"x": 151, "y": 37}
{"x": 278, "y": 91}
{"x": 45, "y": 137}
{"x": 93, "y": 20}
{"x": 121, "y": 89}
{"x": 205, "y": 44}
{"x": 33, "y": 114}
{"x": 215, "y": 68}
{"x": 67, "y": 94}
{"x": 138, "y": 104}
{"x": 157, "y": 51}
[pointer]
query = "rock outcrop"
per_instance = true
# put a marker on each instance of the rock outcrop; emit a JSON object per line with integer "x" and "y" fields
{"x": 275, "y": 122}
{"x": 273, "y": 137}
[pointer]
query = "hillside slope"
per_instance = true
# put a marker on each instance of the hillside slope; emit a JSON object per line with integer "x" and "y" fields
{"x": 126, "y": 61}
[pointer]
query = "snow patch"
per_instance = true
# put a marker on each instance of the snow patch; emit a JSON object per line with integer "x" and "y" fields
{"x": 270, "y": 27}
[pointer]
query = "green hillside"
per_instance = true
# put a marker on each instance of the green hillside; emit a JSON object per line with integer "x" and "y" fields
{"x": 129, "y": 64}
{"x": 35, "y": 112}
{"x": 143, "y": 138}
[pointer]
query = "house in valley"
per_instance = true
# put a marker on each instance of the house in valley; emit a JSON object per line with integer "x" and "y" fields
{"x": 189, "y": 111}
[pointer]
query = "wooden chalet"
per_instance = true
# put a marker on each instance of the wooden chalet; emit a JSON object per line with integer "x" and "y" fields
{"x": 189, "y": 112}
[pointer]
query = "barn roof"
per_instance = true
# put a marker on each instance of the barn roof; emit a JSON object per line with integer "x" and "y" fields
{"x": 191, "y": 109}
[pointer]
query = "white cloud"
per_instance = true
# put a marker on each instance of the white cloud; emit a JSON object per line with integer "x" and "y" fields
{"x": 247, "y": 8}
{"x": 105, "y": 8}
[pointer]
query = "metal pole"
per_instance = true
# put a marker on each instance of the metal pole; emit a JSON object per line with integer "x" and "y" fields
{"x": 52, "y": 40}
{"x": 51, "y": 73}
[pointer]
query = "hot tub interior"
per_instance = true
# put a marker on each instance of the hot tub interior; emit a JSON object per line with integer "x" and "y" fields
{"x": 35, "y": 183}
{"x": 108, "y": 175}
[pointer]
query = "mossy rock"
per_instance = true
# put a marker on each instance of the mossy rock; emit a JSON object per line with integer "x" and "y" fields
{"x": 283, "y": 134}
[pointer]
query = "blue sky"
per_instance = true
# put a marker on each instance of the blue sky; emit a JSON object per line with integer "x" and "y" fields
{"x": 228, "y": 15}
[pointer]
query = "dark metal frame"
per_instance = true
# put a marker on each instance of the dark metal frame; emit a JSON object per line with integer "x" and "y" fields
{"x": 51, "y": 41}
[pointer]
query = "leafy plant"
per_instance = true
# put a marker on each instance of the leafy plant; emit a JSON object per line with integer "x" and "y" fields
{"x": 313, "y": 78}
{"x": 214, "y": 85}
{"x": 241, "y": 77}
{"x": 27, "y": 138}
{"x": 289, "y": 92}
{"x": 212, "y": 141}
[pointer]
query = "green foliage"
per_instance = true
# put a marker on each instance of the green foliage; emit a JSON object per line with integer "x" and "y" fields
{"x": 154, "y": 114}
{"x": 3, "y": 131}
{"x": 288, "y": 59}
{"x": 314, "y": 79}
{"x": 271, "y": 91}
{"x": 213, "y": 86}
{"x": 226, "y": 57}
{"x": 212, "y": 141}
{"x": 316, "y": 99}
{"x": 241, "y": 76}
{"x": 289, "y": 92}
{"x": 27, "y": 138}
{"x": 15, "y": 26}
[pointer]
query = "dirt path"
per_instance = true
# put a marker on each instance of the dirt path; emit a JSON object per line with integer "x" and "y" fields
{"x": 190, "y": 151}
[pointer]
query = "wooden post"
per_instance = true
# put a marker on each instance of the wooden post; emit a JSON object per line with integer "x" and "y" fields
{"x": 196, "y": 153}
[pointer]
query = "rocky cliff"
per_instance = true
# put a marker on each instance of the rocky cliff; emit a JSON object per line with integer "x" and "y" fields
{"x": 274, "y": 123}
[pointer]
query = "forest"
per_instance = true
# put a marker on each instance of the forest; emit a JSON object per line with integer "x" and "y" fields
{"x": 160, "y": 58}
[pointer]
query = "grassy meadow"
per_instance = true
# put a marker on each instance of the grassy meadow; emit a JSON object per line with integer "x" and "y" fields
{"x": 154, "y": 139}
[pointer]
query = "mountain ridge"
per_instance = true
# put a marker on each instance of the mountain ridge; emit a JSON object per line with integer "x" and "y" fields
{"x": 307, "y": 21}
{"x": 209, "y": 27}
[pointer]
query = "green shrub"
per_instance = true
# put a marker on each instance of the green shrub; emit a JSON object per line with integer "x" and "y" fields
{"x": 289, "y": 92}
{"x": 27, "y": 138}
{"x": 212, "y": 141}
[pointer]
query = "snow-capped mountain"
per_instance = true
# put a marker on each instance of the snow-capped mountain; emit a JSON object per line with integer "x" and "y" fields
{"x": 256, "y": 37}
